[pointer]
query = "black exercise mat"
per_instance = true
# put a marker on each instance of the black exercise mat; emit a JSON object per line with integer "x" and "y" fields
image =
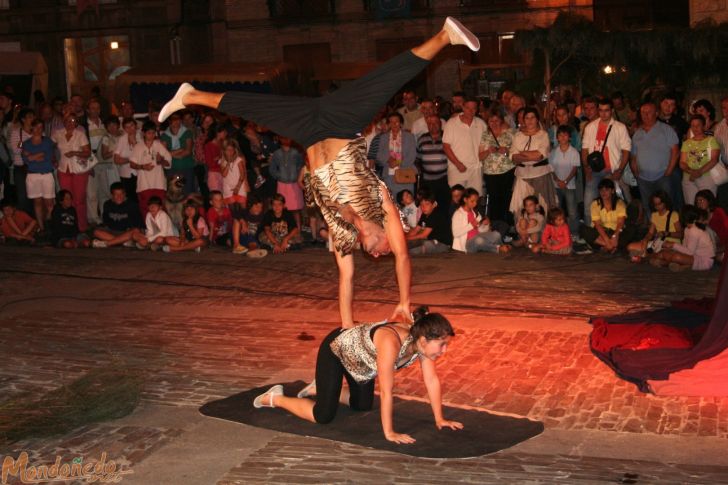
{"x": 483, "y": 432}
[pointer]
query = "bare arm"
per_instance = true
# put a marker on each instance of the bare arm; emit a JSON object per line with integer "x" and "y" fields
{"x": 387, "y": 346}
{"x": 451, "y": 156}
{"x": 346, "y": 288}
{"x": 432, "y": 383}
{"x": 398, "y": 243}
{"x": 674, "y": 156}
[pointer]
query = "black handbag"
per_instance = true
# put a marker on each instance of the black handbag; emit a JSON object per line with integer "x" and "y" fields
{"x": 596, "y": 159}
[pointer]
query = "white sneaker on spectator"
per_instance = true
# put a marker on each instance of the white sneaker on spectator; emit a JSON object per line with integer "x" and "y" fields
{"x": 577, "y": 239}
{"x": 98, "y": 243}
{"x": 139, "y": 246}
{"x": 198, "y": 249}
{"x": 460, "y": 35}
{"x": 166, "y": 249}
{"x": 175, "y": 104}
{"x": 507, "y": 239}
{"x": 129, "y": 244}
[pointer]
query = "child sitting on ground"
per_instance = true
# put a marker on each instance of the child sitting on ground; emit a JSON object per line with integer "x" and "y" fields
{"x": 16, "y": 225}
{"x": 246, "y": 223}
{"x": 472, "y": 233}
{"x": 530, "y": 224}
{"x": 219, "y": 220}
{"x": 280, "y": 232}
{"x": 408, "y": 208}
{"x": 193, "y": 232}
{"x": 64, "y": 223}
{"x": 159, "y": 226}
{"x": 556, "y": 237}
{"x": 121, "y": 220}
{"x": 697, "y": 250}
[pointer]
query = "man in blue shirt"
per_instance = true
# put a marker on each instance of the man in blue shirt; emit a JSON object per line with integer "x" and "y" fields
{"x": 654, "y": 155}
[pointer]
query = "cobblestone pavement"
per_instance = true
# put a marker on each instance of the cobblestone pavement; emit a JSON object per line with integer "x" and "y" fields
{"x": 203, "y": 326}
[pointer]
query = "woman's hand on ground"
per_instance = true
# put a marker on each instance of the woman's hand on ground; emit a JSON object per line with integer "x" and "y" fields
{"x": 399, "y": 438}
{"x": 445, "y": 423}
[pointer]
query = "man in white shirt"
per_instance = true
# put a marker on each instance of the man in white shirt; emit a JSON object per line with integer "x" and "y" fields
{"x": 96, "y": 132}
{"x": 411, "y": 110}
{"x": 122, "y": 153}
{"x": 461, "y": 142}
{"x": 419, "y": 127}
{"x": 721, "y": 134}
{"x": 616, "y": 154}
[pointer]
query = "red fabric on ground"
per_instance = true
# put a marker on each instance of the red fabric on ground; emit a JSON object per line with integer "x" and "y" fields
{"x": 606, "y": 337}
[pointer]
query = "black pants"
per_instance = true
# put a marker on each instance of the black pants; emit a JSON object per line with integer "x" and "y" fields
{"x": 500, "y": 190}
{"x": 329, "y": 372}
{"x": 630, "y": 233}
{"x": 130, "y": 185}
{"x": 439, "y": 188}
{"x": 341, "y": 114}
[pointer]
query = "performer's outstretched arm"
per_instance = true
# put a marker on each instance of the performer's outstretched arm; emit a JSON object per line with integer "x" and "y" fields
{"x": 346, "y": 288}
{"x": 398, "y": 244}
{"x": 432, "y": 383}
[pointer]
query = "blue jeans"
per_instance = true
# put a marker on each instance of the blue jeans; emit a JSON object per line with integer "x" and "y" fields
{"x": 647, "y": 188}
{"x": 484, "y": 242}
{"x": 567, "y": 200}
{"x": 428, "y": 246}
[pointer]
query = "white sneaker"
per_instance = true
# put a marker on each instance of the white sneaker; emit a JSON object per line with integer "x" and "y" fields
{"x": 97, "y": 243}
{"x": 129, "y": 244}
{"x": 165, "y": 248}
{"x": 459, "y": 35}
{"x": 175, "y": 104}
{"x": 309, "y": 390}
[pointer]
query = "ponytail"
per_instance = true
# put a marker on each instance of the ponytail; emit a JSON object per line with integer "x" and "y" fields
{"x": 430, "y": 325}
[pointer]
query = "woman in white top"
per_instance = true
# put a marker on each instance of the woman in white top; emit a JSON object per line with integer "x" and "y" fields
{"x": 234, "y": 174}
{"x": 697, "y": 250}
{"x": 149, "y": 159}
{"x": 73, "y": 167}
{"x": 530, "y": 152}
{"x": 124, "y": 145}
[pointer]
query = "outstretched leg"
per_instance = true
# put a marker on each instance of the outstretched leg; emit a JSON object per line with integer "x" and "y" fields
{"x": 309, "y": 120}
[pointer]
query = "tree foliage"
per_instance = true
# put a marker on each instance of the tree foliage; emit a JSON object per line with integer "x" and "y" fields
{"x": 574, "y": 51}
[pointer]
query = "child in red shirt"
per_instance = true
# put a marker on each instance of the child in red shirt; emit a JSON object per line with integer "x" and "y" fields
{"x": 220, "y": 220}
{"x": 556, "y": 237}
{"x": 16, "y": 225}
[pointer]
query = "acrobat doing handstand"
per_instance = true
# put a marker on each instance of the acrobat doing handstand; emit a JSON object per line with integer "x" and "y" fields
{"x": 354, "y": 202}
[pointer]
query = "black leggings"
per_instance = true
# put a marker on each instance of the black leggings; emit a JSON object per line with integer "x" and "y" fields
{"x": 341, "y": 114}
{"x": 329, "y": 372}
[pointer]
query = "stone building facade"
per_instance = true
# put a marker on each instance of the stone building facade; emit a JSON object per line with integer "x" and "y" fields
{"x": 159, "y": 32}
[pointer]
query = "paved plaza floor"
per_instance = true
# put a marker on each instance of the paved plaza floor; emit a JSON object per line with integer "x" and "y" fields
{"x": 204, "y": 326}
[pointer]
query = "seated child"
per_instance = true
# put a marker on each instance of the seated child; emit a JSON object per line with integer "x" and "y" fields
{"x": 64, "y": 223}
{"x": 530, "y": 224}
{"x": 279, "y": 231}
{"x": 408, "y": 208}
{"x": 159, "y": 226}
{"x": 697, "y": 250}
{"x": 433, "y": 234}
{"x": 472, "y": 233}
{"x": 556, "y": 237}
{"x": 122, "y": 220}
{"x": 219, "y": 220}
{"x": 246, "y": 223}
{"x": 193, "y": 234}
{"x": 16, "y": 225}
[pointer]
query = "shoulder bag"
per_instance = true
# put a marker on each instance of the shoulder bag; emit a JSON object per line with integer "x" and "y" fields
{"x": 596, "y": 159}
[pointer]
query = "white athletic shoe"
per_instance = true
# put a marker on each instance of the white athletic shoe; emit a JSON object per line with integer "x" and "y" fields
{"x": 97, "y": 243}
{"x": 459, "y": 35}
{"x": 265, "y": 400}
{"x": 175, "y": 104}
{"x": 309, "y": 390}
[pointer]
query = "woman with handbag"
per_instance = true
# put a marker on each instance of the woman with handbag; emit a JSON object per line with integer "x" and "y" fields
{"x": 664, "y": 226}
{"x": 530, "y": 153}
{"x": 698, "y": 156}
{"x": 74, "y": 165}
{"x": 396, "y": 154}
{"x": 498, "y": 168}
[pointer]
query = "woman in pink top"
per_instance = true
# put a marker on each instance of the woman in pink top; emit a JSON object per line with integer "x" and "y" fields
{"x": 556, "y": 237}
{"x": 213, "y": 153}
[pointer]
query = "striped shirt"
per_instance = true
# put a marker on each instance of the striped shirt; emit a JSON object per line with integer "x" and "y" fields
{"x": 432, "y": 157}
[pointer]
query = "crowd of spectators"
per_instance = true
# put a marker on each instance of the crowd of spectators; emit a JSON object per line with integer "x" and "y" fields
{"x": 470, "y": 175}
